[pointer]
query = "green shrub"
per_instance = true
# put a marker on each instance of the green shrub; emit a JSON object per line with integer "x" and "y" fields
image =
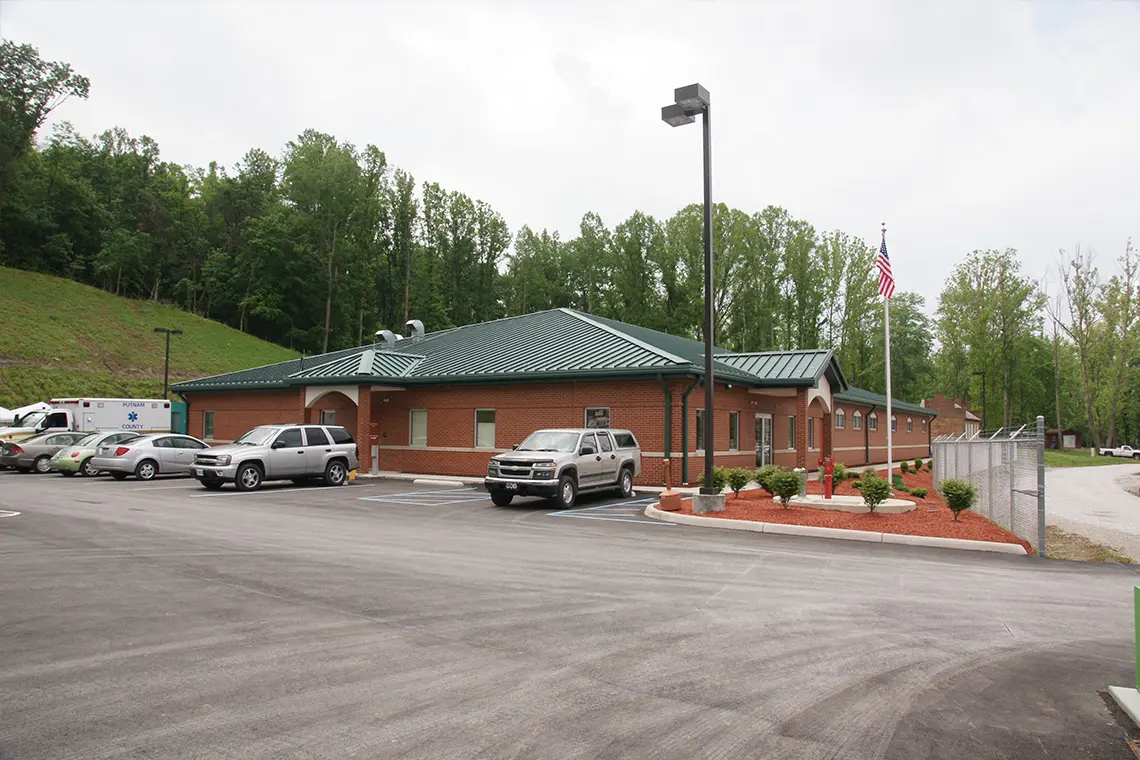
{"x": 763, "y": 475}
{"x": 785, "y": 485}
{"x": 918, "y": 492}
{"x": 858, "y": 485}
{"x": 904, "y": 467}
{"x": 897, "y": 482}
{"x": 959, "y": 494}
{"x": 841, "y": 474}
{"x": 875, "y": 490}
{"x": 930, "y": 465}
{"x": 737, "y": 479}
{"x": 720, "y": 478}
{"x": 918, "y": 465}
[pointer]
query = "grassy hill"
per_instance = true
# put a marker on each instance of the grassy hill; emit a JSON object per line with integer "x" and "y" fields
{"x": 61, "y": 338}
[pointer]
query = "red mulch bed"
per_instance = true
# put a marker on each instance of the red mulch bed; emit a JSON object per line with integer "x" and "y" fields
{"x": 931, "y": 518}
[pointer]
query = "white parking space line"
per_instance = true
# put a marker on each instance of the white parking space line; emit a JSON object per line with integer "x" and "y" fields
{"x": 164, "y": 488}
{"x": 8, "y": 513}
{"x": 437, "y": 498}
{"x": 235, "y": 494}
{"x": 626, "y": 511}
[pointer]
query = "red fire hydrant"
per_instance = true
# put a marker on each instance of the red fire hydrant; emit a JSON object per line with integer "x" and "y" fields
{"x": 828, "y": 472}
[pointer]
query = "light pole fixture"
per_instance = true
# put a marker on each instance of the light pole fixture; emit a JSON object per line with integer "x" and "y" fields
{"x": 688, "y": 102}
{"x": 166, "y": 368}
{"x": 982, "y": 374}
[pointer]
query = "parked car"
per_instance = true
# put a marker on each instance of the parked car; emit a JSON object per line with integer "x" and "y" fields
{"x": 563, "y": 463}
{"x": 1121, "y": 451}
{"x": 35, "y": 453}
{"x": 77, "y": 457}
{"x": 279, "y": 452}
{"x": 148, "y": 456}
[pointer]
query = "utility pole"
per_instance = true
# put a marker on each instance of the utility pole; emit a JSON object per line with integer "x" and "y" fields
{"x": 166, "y": 367}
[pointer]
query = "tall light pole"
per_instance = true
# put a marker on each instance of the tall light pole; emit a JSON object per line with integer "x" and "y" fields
{"x": 688, "y": 102}
{"x": 166, "y": 368}
{"x": 982, "y": 373}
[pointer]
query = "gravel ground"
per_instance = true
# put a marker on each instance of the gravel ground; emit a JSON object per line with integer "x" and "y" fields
{"x": 1096, "y": 502}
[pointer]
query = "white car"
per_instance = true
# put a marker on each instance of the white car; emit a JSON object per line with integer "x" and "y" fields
{"x": 1121, "y": 451}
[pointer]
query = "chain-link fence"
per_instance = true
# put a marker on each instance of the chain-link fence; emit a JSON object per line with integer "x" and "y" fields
{"x": 1008, "y": 468}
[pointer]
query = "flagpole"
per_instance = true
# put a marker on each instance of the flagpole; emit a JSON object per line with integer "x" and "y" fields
{"x": 890, "y": 413}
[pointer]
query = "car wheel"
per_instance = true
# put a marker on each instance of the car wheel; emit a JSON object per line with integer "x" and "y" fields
{"x": 248, "y": 477}
{"x": 146, "y": 469}
{"x": 336, "y": 474}
{"x": 67, "y": 473}
{"x": 42, "y": 464}
{"x": 567, "y": 491}
{"x": 502, "y": 499}
{"x": 88, "y": 469}
{"x": 625, "y": 480}
{"x": 211, "y": 485}
{"x": 119, "y": 475}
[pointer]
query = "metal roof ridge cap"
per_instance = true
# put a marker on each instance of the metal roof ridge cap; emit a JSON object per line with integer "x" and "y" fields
{"x": 418, "y": 360}
{"x": 364, "y": 365}
{"x": 626, "y": 337}
{"x": 302, "y": 371}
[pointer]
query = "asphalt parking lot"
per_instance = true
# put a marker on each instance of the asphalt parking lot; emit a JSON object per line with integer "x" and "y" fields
{"x": 390, "y": 619}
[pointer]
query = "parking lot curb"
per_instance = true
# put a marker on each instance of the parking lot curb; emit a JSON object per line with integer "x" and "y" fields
{"x": 841, "y": 534}
{"x": 435, "y": 480}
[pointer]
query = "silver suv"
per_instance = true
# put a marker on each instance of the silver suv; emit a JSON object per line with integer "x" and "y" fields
{"x": 563, "y": 463}
{"x": 279, "y": 452}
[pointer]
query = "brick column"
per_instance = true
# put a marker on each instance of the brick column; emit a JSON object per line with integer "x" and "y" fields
{"x": 801, "y": 427}
{"x": 302, "y": 417}
{"x": 828, "y": 427}
{"x": 364, "y": 428}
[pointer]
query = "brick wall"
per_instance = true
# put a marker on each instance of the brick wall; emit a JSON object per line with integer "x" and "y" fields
{"x": 850, "y": 444}
{"x": 237, "y": 412}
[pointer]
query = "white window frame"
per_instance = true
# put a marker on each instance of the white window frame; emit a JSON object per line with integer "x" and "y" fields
{"x": 734, "y": 445}
{"x": 894, "y": 424}
{"x": 840, "y": 419}
{"x": 857, "y": 420}
{"x": 213, "y": 424}
{"x": 586, "y": 418}
{"x": 792, "y": 432}
{"x": 811, "y": 433}
{"x": 332, "y": 418}
{"x": 872, "y": 422}
{"x": 412, "y": 428}
{"x": 494, "y": 430}
{"x": 910, "y": 424}
{"x": 923, "y": 421}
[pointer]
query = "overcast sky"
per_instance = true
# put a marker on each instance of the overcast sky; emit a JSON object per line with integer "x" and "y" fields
{"x": 963, "y": 125}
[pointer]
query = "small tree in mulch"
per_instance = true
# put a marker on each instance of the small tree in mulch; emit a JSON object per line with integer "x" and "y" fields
{"x": 737, "y": 479}
{"x": 919, "y": 493}
{"x": 785, "y": 485}
{"x": 841, "y": 474}
{"x": 897, "y": 482}
{"x": 959, "y": 494}
{"x": 875, "y": 490}
{"x": 720, "y": 477}
{"x": 918, "y": 465}
{"x": 763, "y": 475}
{"x": 904, "y": 467}
{"x": 930, "y": 465}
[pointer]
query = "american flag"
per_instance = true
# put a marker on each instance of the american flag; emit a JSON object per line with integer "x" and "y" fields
{"x": 883, "y": 263}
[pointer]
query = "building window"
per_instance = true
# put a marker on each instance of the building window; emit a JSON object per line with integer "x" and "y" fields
{"x": 328, "y": 416}
{"x": 923, "y": 424}
{"x": 792, "y": 433}
{"x": 418, "y": 435}
{"x": 909, "y": 425}
{"x": 872, "y": 421}
{"x": 811, "y": 433}
{"x": 840, "y": 419}
{"x": 857, "y": 420}
{"x": 733, "y": 431}
{"x": 700, "y": 430}
{"x": 894, "y": 424}
{"x": 208, "y": 425}
{"x": 484, "y": 428}
{"x": 597, "y": 416}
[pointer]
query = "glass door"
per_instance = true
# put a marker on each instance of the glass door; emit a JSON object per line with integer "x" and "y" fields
{"x": 763, "y": 439}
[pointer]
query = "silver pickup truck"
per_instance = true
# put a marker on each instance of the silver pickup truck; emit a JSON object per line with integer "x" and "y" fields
{"x": 563, "y": 463}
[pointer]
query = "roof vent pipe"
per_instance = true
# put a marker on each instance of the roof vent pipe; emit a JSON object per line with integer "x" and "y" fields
{"x": 387, "y": 338}
{"x": 414, "y": 329}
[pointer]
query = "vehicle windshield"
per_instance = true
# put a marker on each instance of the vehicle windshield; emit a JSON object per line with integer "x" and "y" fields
{"x": 32, "y": 419}
{"x": 88, "y": 439}
{"x": 549, "y": 440}
{"x": 259, "y": 436}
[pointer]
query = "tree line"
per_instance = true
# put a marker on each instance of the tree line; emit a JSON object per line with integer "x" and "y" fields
{"x": 323, "y": 242}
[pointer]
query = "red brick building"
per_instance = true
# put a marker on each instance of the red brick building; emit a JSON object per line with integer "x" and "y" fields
{"x": 954, "y": 416}
{"x": 444, "y": 402}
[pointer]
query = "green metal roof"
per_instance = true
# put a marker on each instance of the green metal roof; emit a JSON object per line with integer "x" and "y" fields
{"x": 559, "y": 344}
{"x": 855, "y": 395}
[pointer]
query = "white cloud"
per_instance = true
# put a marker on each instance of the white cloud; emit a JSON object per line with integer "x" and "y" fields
{"x": 964, "y": 125}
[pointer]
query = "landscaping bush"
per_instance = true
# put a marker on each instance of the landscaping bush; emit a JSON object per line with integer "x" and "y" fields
{"x": 737, "y": 479}
{"x": 959, "y": 494}
{"x": 720, "y": 478}
{"x": 785, "y": 485}
{"x": 857, "y": 485}
{"x": 763, "y": 475}
{"x": 918, "y": 465}
{"x": 841, "y": 474}
{"x": 897, "y": 482}
{"x": 918, "y": 492}
{"x": 930, "y": 465}
{"x": 875, "y": 490}
{"x": 904, "y": 467}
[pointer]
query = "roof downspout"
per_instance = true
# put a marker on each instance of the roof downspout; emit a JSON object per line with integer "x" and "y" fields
{"x": 668, "y": 419}
{"x": 867, "y": 435}
{"x": 685, "y": 431}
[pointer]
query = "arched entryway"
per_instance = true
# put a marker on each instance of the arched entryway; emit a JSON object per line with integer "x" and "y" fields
{"x": 332, "y": 405}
